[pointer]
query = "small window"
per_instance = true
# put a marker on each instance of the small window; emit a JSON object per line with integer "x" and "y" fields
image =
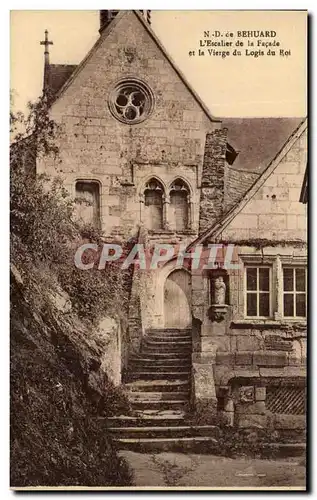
{"x": 179, "y": 195}
{"x": 258, "y": 291}
{"x": 88, "y": 202}
{"x": 153, "y": 203}
{"x": 294, "y": 292}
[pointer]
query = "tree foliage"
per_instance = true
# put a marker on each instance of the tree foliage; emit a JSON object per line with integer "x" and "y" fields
{"x": 59, "y": 393}
{"x": 44, "y": 229}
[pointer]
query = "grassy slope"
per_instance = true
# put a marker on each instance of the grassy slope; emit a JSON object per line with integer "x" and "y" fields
{"x": 57, "y": 391}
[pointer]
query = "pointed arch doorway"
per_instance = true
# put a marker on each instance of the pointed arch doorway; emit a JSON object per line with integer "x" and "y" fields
{"x": 177, "y": 300}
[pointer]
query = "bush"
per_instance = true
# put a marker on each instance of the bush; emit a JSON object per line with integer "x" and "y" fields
{"x": 59, "y": 394}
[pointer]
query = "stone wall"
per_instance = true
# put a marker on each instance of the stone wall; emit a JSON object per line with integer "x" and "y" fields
{"x": 276, "y": 200}
{"x": 238, "y": 353}
{"x": 213, "y": 179}
{"x": 113, "y": 360}
{"x": 235, "y": 351}
{"x": 122, "y": 157}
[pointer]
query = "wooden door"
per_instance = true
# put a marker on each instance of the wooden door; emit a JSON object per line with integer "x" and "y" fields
{"x": 177, "y": 294}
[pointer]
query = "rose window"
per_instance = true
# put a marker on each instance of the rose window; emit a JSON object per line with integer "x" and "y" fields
{"x": 131, "y": 101}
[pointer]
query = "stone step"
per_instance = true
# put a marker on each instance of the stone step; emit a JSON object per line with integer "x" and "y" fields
{"x": 195, "y": 444}
{"x": 158, "y": 385}
{"x": 163, "y": 355}
{"x": 146, "y": 351}
{"x": 171, "y": 431}
{"x": 165, "y": 338}
{"x": 171, "y": 343}
{"x": 155, "y": 375}
{"x": 152, "y": 348}
{"x": 168, "y": 404}
{"x": 147, "y": 418}
{"x": 144, "y": 361}
{"x": 160, "y": 368}
{"x": 158, "y": 396}
{"x": 161, "y": 413}
{"x": 168, "y": 331}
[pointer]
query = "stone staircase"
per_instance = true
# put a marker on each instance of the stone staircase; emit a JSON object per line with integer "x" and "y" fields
{"x": 158, "y": 387}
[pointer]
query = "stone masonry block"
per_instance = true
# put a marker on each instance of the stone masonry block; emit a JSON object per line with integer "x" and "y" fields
{"x": 259, "y": 421}
{"x": 291, "y": 222}
{"x": 294, "y": 193}
{"x": 291, "y": 180}
{"x": 272, "y": 372}
{"x": 204, "y": 358}
{"x": 260, "y": 393}
{"x": 243, "y": 358}
{"x": 295, "y": 371}
{"x": 248, "y": 343}
{"x": 225, "y": 358}
{"x": 288, "y": 168}
{"x": 208, "y": 344}
{"x": 303, "y": 344}
{"x": 222, "y": 342}
{"x": 267, "y": 358}
{"x": 265, "y": 221}
{"x": 281, "y": 421}
{"x": 243, "y": 220}
{"x": 222, "y": 374}
{"x": 301, "y": 222}
{"x": 257, "y": 408}
{"x": 219, "y": 328}
{"x": 281, "y": 193}
{"x": 294, "y": 360}
{"x": 203, "y": 376}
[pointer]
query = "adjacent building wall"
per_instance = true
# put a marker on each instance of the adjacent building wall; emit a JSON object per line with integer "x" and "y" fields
{"x": 256, "y": 365}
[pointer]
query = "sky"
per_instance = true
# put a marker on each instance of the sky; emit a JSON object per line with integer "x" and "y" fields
{"x": 230, "y": 86}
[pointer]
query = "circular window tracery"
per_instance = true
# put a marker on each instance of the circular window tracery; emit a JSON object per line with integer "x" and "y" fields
{"x": 131, "y": 101}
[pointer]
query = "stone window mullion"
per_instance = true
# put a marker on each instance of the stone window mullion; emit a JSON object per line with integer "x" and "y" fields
{"x": 278, "y": 302}
{"x": 166, "y": 206}
{"x": 142, "y": 208}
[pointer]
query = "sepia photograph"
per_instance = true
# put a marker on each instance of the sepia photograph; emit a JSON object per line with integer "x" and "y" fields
{"x": 158, "y": 250}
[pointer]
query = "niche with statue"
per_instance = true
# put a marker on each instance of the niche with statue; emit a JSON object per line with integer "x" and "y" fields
{"x": 219, "y": 294}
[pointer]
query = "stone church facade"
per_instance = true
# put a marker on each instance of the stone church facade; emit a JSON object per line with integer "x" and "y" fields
{"x": 138, "y": 143}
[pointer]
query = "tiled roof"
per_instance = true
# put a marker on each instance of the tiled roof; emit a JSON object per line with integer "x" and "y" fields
{"x": 58, "y": 74}
{"x": 237, "y": 183}
{"x": 258, "y": 141}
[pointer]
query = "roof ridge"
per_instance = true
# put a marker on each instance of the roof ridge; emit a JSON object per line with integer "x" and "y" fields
{"x": 62, "y": 64}
{"x": 176, "y": 68}
{"x": 105, "y": 33}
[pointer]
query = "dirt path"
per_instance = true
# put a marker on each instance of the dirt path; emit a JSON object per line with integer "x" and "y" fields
{"x": 178, "y": 469}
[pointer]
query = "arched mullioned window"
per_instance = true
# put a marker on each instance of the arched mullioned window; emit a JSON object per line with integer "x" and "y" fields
{"x": 179, "y": 205}
{"x": 153, "y": 204}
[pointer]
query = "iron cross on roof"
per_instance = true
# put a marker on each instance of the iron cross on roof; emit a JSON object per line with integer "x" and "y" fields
{"x": 46, "y": 44}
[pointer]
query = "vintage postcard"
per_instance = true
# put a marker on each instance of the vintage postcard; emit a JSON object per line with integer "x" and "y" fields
{"x": 158, "y": 249}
